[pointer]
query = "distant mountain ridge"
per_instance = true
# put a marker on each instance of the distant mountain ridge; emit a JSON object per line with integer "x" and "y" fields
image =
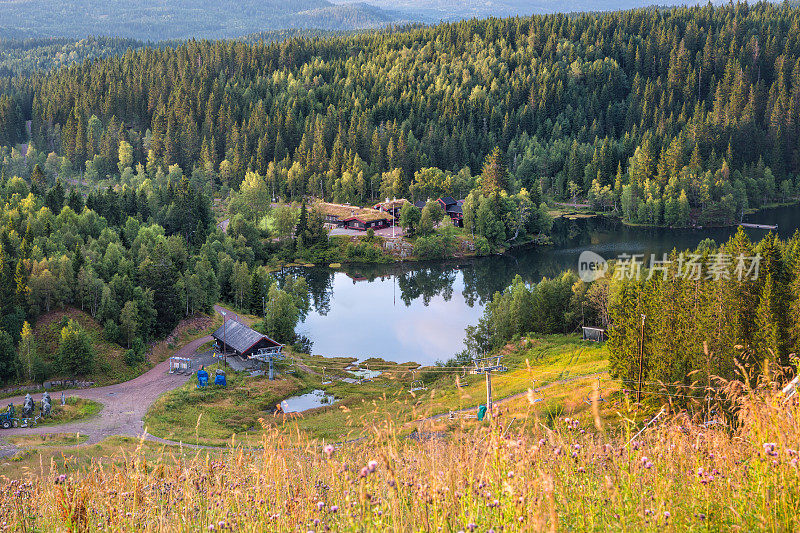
{"x": 158, "y": 20}
{"x": 461, "y": 9}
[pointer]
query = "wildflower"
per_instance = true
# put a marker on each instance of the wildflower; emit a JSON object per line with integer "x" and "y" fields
{"x": 328, "y": 449}
{"x": 471, "y": 526}
{"x": 320, "y": 505}
{"x": 582, "y": 470}
{"x": 61, "y": 479}
{"x": 372, "y": 465}
{"x": 334, "y": 508}
{"x": 666, "y": 515}
{"x": 769, "y": 449}
{"x": 510, "y": 473}
{"x": 211, "y": 527}
{"x": 363, "y": 473}
{"x": 542, "y": 442}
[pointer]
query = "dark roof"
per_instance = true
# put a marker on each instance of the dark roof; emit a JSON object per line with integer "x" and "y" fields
{"x": 447, "y": 200}
{"x": 455, "y": 209}
{"x": 420, "y": 203}
{"x": 239, "y": 337}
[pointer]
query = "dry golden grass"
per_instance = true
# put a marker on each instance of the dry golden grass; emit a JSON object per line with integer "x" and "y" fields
{"x": 525, "y": 476}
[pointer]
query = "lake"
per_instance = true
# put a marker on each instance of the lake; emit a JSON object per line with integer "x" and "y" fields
{"x": 418, "y": 311}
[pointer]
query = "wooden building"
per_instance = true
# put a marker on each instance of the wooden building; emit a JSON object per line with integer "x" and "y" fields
{"x": 393, "y": 207}
{"x": 233, "y": 337}
{"x": 352, "y": 217}
{"x": 453, "y": 209}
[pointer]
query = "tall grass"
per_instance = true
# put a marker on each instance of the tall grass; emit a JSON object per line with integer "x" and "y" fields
{"x": 675, "y": 476}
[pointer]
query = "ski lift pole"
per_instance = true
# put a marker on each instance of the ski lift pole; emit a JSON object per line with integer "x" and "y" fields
{"x": 271, "y": 369}
{"x": 489, "y": 393}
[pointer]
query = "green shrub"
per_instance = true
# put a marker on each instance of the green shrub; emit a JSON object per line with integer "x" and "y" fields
{"x": 435, "y": 246}
{"x": 482, "y": 246}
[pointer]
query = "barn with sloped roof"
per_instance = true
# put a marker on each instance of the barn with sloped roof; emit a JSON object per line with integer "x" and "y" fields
{"x": 233, "y": 337}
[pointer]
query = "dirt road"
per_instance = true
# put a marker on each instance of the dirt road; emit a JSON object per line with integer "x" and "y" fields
{"x": 124, "y": 404}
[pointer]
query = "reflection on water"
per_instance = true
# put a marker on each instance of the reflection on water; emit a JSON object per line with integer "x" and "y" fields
{"x": 304, "y": 402}
{"x": 418, "y": 312}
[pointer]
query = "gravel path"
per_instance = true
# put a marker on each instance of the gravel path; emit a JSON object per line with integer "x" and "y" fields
{"x": 124, "y": 404}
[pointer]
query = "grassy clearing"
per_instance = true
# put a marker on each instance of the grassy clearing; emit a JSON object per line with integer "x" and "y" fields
{"x": 109, "y": 364}
{"x": 675, "y": 476}
{"x": 47, "y": 439}
{"x": 531, "y": 362}
{"x": 212, "y": 416}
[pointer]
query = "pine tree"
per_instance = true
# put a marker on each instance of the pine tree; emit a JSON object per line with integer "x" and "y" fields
{"x": 494, "y": 176}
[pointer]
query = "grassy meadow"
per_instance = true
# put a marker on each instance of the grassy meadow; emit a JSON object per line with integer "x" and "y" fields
{"x": 211, "y": 416}
{"x": 528, "y": 476}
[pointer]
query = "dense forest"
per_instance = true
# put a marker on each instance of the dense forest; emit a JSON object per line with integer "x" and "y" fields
{"x": 32, "y": 55}
{"x": 743, "y": 311}
{"x": 108, "y": 167}
{"x": 672, "y": 117}
{"x": 688, "y": 319}
{"x": 150, "y": 20}
{"x": 137, "y": 262}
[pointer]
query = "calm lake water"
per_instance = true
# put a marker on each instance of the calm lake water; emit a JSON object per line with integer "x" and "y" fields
{"x": 418, "y": 312}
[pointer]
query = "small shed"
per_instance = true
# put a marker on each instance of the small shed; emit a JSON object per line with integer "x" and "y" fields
{"x": 594, "y": 334}
{"x": 234, "y": 337}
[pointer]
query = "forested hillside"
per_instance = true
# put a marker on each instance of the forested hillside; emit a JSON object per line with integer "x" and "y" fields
{"x": 675, "y": 117}
{"x": 151, "y": 20}
{"x": 31, "y": 55}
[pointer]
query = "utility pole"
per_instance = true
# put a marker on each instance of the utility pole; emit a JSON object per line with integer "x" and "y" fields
{"x": 487, "y": 365}
{"x": 489, "y": 393}
{"x": 224, "y": 337}
{"x": 641, "y": 357}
